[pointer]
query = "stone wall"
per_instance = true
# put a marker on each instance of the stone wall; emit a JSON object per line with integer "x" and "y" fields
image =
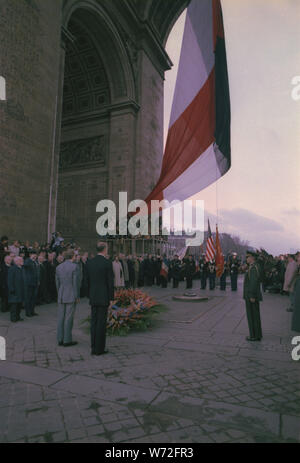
{"x": 112, "y": 63}
{"x": 29, "y": 61}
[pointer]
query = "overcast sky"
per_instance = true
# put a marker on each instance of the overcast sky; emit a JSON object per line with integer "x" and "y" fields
{"x": 259, "y": 198}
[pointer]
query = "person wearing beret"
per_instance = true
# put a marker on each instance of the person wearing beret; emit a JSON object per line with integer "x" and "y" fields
{"x": 252, "y": 295}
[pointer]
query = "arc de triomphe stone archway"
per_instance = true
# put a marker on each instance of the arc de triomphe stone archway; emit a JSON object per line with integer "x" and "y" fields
{"x": 83, "y": 115}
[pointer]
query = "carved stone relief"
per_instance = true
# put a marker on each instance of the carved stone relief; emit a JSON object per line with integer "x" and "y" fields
{"x": 83, "y": 153}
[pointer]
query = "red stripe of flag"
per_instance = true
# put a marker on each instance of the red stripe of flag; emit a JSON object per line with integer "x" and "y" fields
{"x": 210, "y": 246}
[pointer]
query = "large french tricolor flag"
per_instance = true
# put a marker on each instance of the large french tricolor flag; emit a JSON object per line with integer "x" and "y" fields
{"x": 198, "y": 145}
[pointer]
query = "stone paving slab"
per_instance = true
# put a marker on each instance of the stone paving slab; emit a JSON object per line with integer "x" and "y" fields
{"x": 31, "y": 374}
{"x": 144, "y": 340}
{"x": 282, "y": 356}
{"x": 232, "y": 415}
{"x": 202, "y": 347}
{"x": 112, "y": 391}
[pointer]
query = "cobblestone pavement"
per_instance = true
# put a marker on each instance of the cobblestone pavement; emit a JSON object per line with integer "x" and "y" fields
{"x": 192, "y": 378}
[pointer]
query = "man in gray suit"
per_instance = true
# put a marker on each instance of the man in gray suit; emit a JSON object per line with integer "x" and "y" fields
{"x": 68, "y": 288}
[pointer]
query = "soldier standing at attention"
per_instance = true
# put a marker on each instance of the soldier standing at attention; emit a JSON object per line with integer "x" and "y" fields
{"x": 176, "y": 271}
{"x": 252, "y": 295}
{"x": 223, "y": 276}
{"x": 234, "y": 270}
{"x": 189, "y": 270}
{"x": 212, "y": 274}
{"x": 203, "y": 271}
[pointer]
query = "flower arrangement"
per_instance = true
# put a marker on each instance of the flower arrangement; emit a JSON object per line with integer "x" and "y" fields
{"x": 131, "y": 309}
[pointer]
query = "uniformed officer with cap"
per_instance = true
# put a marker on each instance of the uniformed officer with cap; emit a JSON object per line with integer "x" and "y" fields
{"x": 203, "y": 267}
{"x": 223, "y": 276}
{"x": 212, "y": 274}
{"x": 234, "y": 270}
{"x": 252, "y": 295}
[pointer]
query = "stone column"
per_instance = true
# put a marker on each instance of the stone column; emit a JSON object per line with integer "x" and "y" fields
{"x": 122, "y": 150}
{"x": 150, "y": 126}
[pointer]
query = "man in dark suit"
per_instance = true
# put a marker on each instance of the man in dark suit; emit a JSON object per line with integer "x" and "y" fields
{"x": 148, "y": 271}
{"x": 101, "y": 293}
{"x": 84, "y": 283}
{"x": 4, "y": 267}
{"x": 4, "y": 251}
{"x": 176, "y": 271}
{"x": 32, "y": 277}
{"x": 51, "y": 265}
{"x": 43, "y": 296}
{"x": 16, "y": 289}
{"x": 131, "y": 271}
{"x": 252, "y": 295}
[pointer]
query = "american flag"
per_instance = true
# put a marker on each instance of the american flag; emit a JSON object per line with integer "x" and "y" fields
{"x": 210, "y": 246}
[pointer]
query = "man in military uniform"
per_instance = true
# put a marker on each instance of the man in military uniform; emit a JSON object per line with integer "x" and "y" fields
{"x": 212, "y": 274}
{"x": 223, "y": 276}
{"x": 203, "y": 271}
{"x": 234, "y": 270}
{"x": 252, "y": 295}
{"x": 176, "y": 271}
{"x": 189, "y": 271}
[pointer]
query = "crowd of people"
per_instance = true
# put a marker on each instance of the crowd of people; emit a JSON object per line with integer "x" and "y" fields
{"x": 28, "y": 273}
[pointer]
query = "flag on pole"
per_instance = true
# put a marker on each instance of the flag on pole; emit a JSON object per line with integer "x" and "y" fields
{"x": 164, "y": 268}
{"x": 198, "y": 145}
{"x": 219, "y": 256}
{"x": 183, "y": 252}
{"x": 210, "y": 246}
